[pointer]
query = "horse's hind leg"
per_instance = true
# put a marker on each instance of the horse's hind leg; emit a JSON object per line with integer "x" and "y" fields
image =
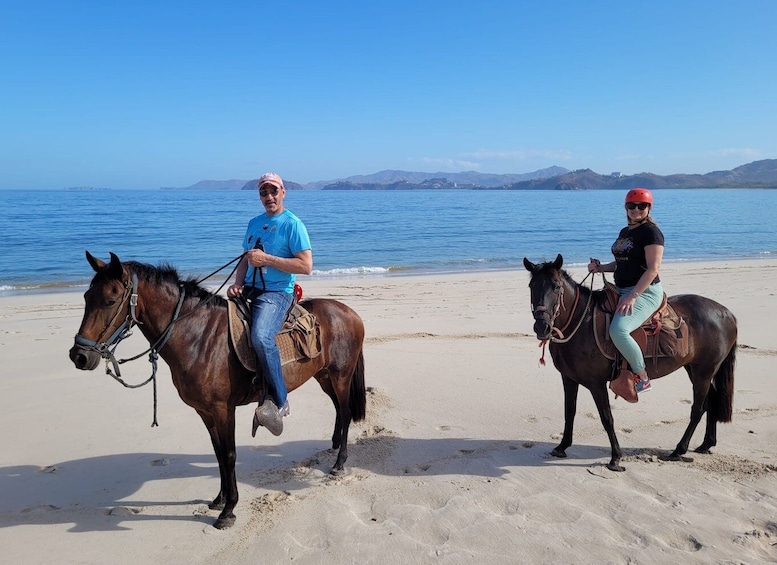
{"x": 326, "y": 386}
{"x": 570, "y": 409}
{"x": 700, "y": 393}
{"x": 339, "y": 396}
{"x": 711, "y": 433}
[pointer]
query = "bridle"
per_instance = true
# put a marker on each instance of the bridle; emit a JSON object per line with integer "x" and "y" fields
{"x": 557, "y": 334}
{"x": 107, "y": 347}
{"x": 123, "y": 331}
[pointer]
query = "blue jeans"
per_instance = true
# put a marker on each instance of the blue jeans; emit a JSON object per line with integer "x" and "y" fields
{"x": 622, "y": 326}
{"x": 268, "y": 313}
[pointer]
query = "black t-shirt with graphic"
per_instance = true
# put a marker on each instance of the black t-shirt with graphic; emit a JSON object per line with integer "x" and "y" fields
{"x": 629, "y": 252}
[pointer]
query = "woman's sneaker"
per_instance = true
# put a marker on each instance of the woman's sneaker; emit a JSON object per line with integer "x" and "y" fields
{"x": 641, "y": 386}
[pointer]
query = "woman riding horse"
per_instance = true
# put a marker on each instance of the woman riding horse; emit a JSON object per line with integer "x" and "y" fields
{"x": 638, "y": 252}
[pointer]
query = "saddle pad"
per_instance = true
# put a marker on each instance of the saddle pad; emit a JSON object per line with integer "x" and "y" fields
{"x": 241, "y": 342}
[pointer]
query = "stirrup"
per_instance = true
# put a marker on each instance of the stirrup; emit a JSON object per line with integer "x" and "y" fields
{"x": 267, "y": 415}
{"x": 624, "y": 387}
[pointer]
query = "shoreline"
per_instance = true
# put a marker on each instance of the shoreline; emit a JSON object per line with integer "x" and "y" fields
{"x": 371, "y": 273}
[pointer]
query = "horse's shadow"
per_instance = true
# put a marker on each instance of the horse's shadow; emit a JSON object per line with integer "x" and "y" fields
{"x": 100, "y": 493}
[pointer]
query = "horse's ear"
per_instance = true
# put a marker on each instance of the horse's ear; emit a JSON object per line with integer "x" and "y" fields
{"x": 115, "y": 270}
{"x": 558, "y": 262}
{"x": 529, "y": 265}
{"x": 96, "y": 263}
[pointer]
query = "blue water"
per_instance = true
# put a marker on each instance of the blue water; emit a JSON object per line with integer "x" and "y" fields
{"x": 363, "y": 233}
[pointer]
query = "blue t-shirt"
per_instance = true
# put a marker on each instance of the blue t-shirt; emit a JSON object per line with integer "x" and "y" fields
{"x": 283, "y": 235}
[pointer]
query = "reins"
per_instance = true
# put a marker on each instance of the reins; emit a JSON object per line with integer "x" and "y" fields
{"x": 107, "y": 348}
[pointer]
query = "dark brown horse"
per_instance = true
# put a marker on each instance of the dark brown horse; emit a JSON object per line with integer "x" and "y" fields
{"x": 709, "y": 363}
{"x": 205, "y": 370}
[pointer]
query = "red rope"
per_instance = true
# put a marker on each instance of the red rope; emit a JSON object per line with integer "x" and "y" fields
{"x": 542, "y": 345}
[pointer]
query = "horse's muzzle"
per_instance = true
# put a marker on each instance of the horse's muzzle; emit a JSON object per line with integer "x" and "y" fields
{"x": 542, "y": 325}
{"x": 83, "y": 358}
{"x": 542, "y": 328}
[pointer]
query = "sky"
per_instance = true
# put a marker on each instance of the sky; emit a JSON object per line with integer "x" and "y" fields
{"x": 146, "y": 94}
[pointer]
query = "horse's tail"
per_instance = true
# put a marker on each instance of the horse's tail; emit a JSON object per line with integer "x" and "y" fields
{"x": 358, "y": 397}
{"x": 721, "y": 401}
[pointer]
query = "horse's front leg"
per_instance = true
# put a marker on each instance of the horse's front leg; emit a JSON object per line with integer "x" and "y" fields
{"x": 570, "y": 409}
{"x": 221, "y": 428}
{"x": 599, "y": 393}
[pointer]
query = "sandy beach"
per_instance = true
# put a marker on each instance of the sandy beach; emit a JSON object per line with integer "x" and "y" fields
{"x": 452, "y": 464}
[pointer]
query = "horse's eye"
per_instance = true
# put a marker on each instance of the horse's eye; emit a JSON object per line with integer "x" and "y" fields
{"x": 110, "y": 302}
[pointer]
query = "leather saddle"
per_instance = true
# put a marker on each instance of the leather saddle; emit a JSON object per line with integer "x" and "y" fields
{"x": 664, "y": 334}
{"x": 298, "y": 339}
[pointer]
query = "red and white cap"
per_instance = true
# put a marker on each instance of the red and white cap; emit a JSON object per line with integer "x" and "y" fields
{"x": 273, "y": 179}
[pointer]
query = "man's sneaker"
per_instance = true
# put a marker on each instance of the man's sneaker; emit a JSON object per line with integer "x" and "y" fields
{"x": 284, "y": 410}
{"x": 269, "y": 416}
{"x": 641, "y": 386}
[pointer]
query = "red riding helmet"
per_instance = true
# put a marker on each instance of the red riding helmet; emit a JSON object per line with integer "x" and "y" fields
{"x": 639, "y": 195}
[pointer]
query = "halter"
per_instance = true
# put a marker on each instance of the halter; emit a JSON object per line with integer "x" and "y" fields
{"x": 556, "y": 334}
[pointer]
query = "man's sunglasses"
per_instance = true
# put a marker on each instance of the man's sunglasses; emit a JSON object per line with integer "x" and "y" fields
{"x": 634, "y": 206}
{"x": 265, "y": 191}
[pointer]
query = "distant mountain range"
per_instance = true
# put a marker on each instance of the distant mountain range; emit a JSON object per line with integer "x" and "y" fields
{"x": 758, "y": 174}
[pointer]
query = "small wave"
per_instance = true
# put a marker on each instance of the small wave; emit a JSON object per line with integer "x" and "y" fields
{"x": 42, "y": 288}
{"x": 350, "y": 271}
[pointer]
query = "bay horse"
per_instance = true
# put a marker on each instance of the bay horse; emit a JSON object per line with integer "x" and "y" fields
{"x": 188, "y": 325}
{"x": 712, "y": 344}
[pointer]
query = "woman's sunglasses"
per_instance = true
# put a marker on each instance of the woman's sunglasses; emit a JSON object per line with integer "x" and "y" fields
{"x": 634, "y": 206}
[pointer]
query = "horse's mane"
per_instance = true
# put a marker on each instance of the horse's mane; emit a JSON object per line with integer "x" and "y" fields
{"x": 549, "y": 268}
{"x": 166, "y": 274}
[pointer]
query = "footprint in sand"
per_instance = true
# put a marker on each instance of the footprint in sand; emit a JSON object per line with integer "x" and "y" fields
{"x": 123, "y": 511}
{"x": 684, "y": 543}
{"x": 40, "y": 508}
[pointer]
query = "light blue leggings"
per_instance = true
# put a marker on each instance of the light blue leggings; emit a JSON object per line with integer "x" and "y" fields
{"x": 622, "y": 326}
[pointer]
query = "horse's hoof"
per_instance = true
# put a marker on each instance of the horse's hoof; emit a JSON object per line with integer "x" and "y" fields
{"x": 224, "y": 523}
{"x": 338, "y": 472}
{"x": 615, "y": 467}
{"x": 678, "y": 457}
{"x": 216, "y": 505}
{"x": 560, "y": 453}
{"x": 703, "y": 448}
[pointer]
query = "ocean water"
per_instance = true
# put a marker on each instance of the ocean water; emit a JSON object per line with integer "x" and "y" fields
{"x": 363, "y": 233}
